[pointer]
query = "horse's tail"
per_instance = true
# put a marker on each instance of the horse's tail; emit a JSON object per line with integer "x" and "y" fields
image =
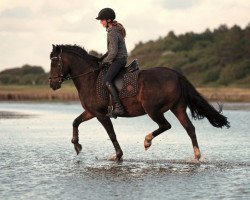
{"x": 199, "y": 106}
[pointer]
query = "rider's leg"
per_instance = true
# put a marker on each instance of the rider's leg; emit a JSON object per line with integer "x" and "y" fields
{"x": 113, "y": 70}
{"x": 118, "y": 110}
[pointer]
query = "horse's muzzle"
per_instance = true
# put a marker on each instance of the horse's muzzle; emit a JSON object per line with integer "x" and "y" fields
{"x": 55, "y": 85}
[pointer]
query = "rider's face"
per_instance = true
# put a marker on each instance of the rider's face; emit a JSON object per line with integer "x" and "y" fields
{"x": 104, "y": 22}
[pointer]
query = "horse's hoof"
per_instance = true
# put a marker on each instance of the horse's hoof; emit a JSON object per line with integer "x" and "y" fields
{"x": 197, "y": 157}
{"x": 197, "y": 153}
{"x": 147, "y": 145}
{"x": 194, "y": 161}
{"x": 78, "y": 148}
{"x": 115, "y": 158}
{"x": 148, "y": 141}
{"x": 112, "y": 158}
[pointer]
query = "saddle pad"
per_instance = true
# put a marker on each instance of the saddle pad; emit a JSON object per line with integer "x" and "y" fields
{"x": 129, "y": 88}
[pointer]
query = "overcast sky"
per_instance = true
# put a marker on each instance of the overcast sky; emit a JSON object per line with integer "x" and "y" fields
{"x": 28, "y": 28}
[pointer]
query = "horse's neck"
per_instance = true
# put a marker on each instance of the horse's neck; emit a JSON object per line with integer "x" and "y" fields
{"x": 86, "y": 81}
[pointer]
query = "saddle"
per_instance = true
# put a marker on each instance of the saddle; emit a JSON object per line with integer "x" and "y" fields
{"x": 125, "y": 82}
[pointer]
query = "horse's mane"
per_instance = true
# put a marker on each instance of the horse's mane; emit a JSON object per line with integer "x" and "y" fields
{"x": 80, "y": 52}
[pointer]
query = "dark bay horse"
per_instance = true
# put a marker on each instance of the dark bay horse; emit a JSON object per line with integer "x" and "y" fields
{"x": 159, "y": 89}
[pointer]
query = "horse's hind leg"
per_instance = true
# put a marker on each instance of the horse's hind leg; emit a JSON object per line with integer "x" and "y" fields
{"x": 75, "y": 139}
{"x": 189, "y": 127}
{"x": 163, "y": 126}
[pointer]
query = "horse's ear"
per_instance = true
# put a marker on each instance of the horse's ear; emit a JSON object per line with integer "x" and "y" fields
{"x": 58, "y": 49}
{"x": 53, "y": 46}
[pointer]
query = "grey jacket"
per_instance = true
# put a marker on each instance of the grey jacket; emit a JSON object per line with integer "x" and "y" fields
{"x": 116, "y": 45}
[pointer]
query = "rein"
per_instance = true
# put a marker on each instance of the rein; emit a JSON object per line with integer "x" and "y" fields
{"x": 68, "y": 77}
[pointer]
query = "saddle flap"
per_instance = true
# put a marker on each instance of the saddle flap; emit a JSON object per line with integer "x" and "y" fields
{"x": 125, "y": 83}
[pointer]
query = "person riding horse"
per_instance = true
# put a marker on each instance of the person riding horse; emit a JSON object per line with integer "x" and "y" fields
{"x": 116, "y": 56}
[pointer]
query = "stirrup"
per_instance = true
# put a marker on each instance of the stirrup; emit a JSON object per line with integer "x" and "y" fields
{"x": 110, "y": 109}
{"x": 119, "y": 110}
{"x": 112, "y": 114}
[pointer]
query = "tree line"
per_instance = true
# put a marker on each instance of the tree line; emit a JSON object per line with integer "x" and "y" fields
{"x": 25, "y": 75}
{"x": 212, "y": 58}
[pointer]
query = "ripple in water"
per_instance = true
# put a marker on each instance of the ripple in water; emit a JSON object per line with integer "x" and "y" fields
{"x": 38, "y": 161}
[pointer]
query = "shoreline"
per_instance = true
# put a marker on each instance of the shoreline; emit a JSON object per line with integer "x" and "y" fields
{"x": 6, "y": 114}
{"x": 69, "y": 93}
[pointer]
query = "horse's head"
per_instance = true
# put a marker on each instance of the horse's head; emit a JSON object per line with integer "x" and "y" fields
{"x": 59, "y": 67}
{"x": 70, "y": 62}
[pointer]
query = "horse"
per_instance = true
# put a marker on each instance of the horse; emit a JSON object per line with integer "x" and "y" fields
{"x": 160, "y": 89}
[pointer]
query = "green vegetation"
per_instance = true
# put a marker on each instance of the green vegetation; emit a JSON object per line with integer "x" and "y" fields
{"x": 26, "y": 75}
{"x": 218, "y": 58}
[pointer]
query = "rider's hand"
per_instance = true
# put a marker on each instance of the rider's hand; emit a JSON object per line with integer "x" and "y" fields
{"x": 101, "y": 58}
{"x": 105, "y": 64}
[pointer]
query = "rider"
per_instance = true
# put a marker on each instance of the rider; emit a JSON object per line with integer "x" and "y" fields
{"x": 116, "y": 55}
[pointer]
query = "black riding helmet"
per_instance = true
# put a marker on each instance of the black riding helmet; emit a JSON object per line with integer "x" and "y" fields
{"x": 106, "y": 13}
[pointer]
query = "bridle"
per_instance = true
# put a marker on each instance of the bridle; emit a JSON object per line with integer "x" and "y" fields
{"x": 63, "y": 78}
{"x": 60, "y": 65}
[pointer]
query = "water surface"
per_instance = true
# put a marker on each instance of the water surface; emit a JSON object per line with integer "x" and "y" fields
{"x": 39, "y": 162}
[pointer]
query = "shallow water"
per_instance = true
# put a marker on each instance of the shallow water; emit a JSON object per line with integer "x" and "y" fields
{"x": 39, "y": 162}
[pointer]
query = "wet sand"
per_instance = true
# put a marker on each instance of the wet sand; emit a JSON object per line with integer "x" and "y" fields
{"x": 14, "y": 115}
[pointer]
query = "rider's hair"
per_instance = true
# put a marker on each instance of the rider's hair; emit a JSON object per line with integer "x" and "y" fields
{"x": 120, "y": 28}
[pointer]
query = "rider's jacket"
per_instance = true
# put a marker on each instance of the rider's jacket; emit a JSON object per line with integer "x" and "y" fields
{"x": 115, "y": 44}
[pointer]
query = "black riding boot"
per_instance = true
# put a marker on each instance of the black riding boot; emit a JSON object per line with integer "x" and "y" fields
{"x": 118, "y": 110}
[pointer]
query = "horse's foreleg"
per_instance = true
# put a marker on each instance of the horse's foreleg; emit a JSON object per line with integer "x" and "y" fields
{"x": 163, "y": 126}
{"x": 107, "y": 124}
{"x": 75, "y": 139}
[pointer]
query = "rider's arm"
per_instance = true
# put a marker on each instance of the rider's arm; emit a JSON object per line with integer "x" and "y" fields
{"x": 112, "y": 47}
